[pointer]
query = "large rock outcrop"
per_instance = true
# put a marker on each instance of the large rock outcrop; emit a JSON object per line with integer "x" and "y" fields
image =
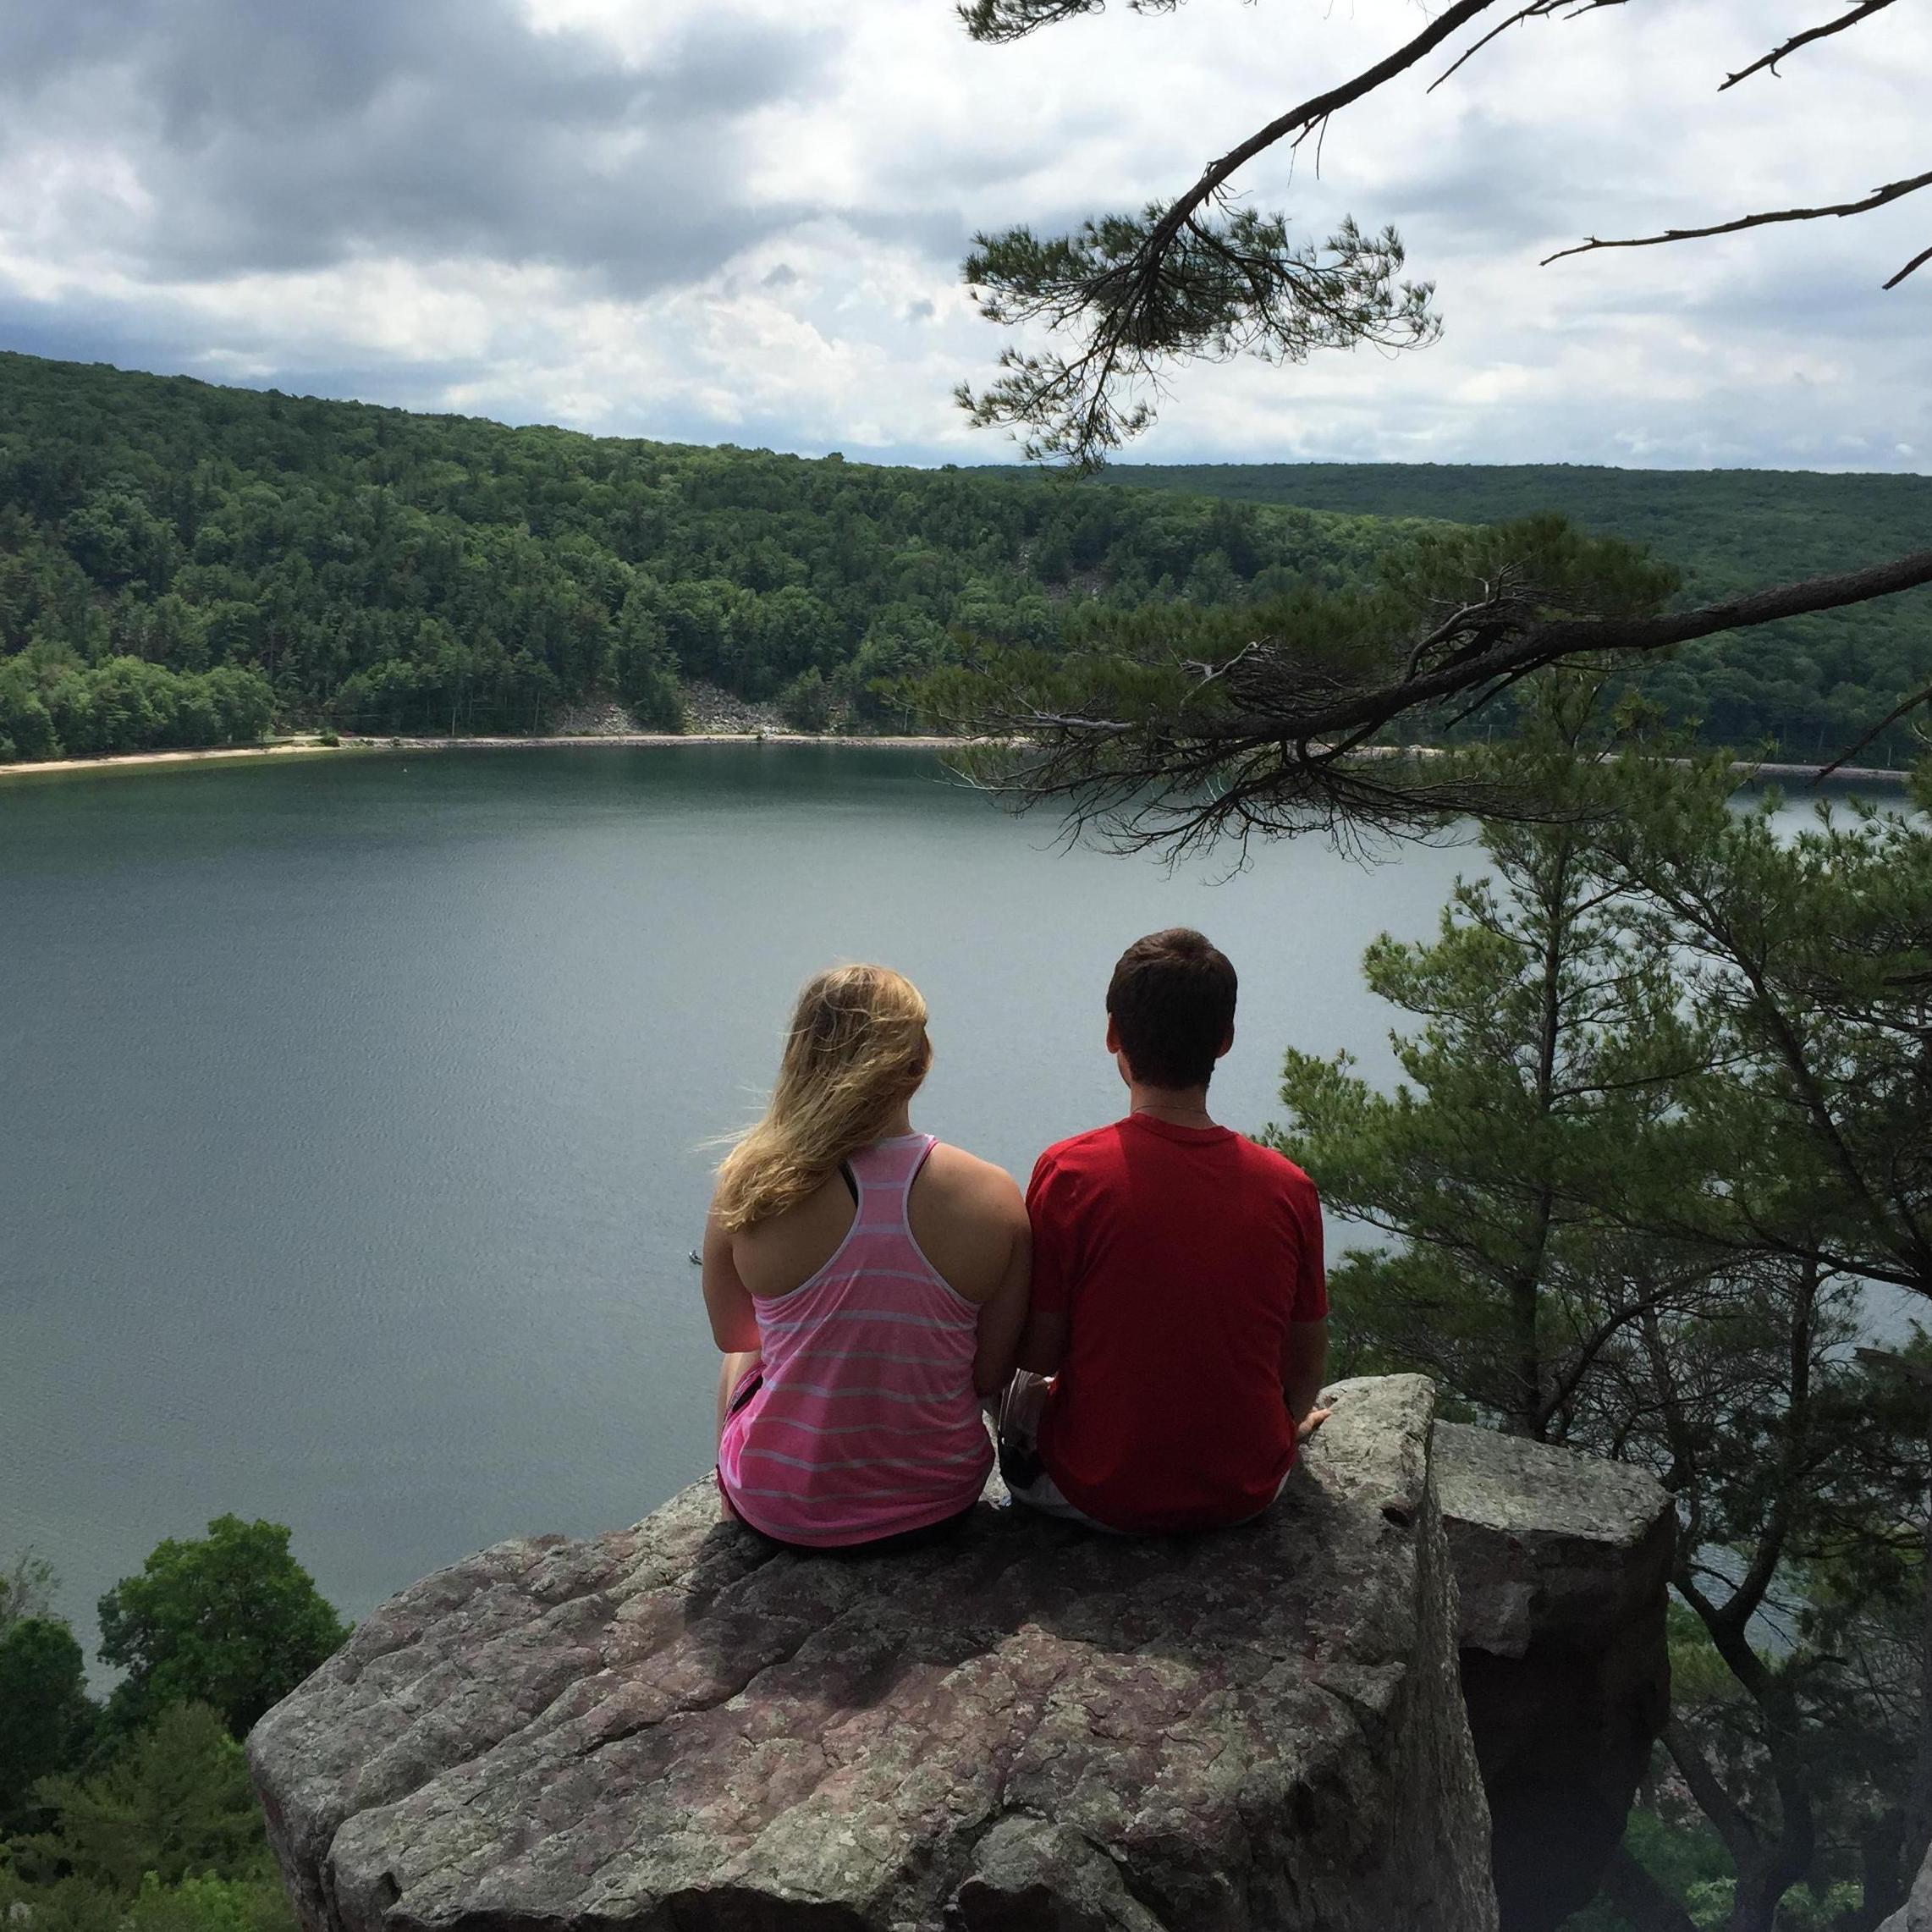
{"x": 1030, "y": 1728}
{"x": 1563, "y": 1564}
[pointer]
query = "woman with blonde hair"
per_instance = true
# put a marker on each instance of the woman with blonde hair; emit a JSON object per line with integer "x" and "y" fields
{"x": 867, "y": 1282}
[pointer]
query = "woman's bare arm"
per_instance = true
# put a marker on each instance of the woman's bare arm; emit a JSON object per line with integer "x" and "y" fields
{"x": 727, "y": 1300}
{"x": 1003, "y": 1314}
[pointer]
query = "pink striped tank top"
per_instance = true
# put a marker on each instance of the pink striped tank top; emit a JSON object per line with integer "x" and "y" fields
{"x": 866, "y": 1424}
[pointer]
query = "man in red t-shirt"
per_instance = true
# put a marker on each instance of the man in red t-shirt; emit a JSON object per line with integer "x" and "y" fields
{"x": 1178, "y": 1301}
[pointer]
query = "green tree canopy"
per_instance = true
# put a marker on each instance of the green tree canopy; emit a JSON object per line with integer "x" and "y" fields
{"x": 183, "y": 566}
{"x": 176, "y": 1802}
{"x": 46, "y": 1715}
{"x": 178, "y": 563}
{"x": 229, "y": 1620}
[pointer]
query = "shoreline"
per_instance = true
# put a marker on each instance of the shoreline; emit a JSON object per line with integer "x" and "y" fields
{"x": 1846, "y": 775}
{"x": 634, "y": 740}
{"x": 662, "y": 741}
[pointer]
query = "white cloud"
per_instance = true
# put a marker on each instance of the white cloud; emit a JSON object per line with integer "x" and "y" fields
{"x": 741, "y": 219}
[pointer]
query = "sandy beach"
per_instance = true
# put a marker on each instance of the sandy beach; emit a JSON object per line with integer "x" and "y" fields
{"x": 135, "y": 761}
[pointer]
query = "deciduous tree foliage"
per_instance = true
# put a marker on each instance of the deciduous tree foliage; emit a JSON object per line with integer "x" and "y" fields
{"x": 46, "y": 1717}
{"x": 145, "y": 1823}
{"x": 229, "y": 1620}
{"x": 178, "y": 562}
{"x": 181, "y": 565}
{"x": 26, "y": 1590}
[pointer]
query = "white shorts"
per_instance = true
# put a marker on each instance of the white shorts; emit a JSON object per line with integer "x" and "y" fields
{"x": 1027, "y": 1482}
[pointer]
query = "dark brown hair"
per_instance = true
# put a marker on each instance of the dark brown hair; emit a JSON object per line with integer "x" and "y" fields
{"x": 1172, "y": 1003}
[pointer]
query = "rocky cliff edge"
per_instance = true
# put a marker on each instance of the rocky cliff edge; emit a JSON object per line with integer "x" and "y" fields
{"x": 673, "y": 1728}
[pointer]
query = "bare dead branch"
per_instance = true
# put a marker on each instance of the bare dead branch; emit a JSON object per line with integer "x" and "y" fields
{"x": 1885, "y": 724}
{"x": 1863, "y": 12}
{"x": 1880, "y": 197}
{"x": 1536, "y": 10}
{"x": 1917, "y": 262}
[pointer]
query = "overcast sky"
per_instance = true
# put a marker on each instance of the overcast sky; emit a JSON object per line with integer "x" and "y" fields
{"x": 741, "y": 220}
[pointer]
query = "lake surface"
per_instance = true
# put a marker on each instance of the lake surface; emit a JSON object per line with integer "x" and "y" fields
{"x": 354, "y": 1114}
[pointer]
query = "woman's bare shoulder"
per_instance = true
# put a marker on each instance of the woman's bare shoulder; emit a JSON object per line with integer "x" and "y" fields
{"x": 975, "y": 1183}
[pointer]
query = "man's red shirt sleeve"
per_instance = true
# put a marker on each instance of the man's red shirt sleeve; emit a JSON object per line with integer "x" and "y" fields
{"x": 1049, "y": 1207}
{"x": 1311, "y": 1279}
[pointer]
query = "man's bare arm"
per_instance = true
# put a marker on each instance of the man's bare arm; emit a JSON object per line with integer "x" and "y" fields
{"x": 1304, "y": 1369}
{"x": 1043, "y": 1343}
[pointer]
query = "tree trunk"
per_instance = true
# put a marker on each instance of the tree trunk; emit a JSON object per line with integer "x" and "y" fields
{"x": 1642, "y": 1899}
{"x": 1881, "y": 1885}
{"x": 1528, "y": 1418}
{"x": 1919, "y": 1798}
{"x": 1761, "y": 1884}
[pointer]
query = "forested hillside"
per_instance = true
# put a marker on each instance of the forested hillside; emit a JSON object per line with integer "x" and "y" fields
{"x": 1806, "y": 684}
{"x": 183, "y": 564}
{"x": 179, "y": 563}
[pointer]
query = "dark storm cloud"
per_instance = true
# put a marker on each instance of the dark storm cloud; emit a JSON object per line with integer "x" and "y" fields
{"x": 273, "y": 136}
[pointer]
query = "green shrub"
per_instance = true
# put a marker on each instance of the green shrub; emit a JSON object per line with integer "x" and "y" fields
{"x": 806, "y": 703}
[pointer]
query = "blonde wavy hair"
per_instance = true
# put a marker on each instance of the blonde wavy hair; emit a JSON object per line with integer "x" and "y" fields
{"x": 858, "y": 1050}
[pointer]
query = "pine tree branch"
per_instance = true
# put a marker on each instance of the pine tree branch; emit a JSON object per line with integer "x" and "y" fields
{"x": 1290, "y": 746}
{"x": 1300, "y": 121}
{"x": 1741, "y": 1836}
{"x": 1000, "y": 22}
{"x": 1168, "y": 286}
{"x": 1540, "y": 644}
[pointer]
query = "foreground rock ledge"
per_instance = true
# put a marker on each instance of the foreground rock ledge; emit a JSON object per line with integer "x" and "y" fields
{"x": 1032, "y": 1727}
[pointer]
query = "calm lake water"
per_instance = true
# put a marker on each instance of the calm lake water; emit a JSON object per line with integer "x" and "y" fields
{"x": 354, "y": 1114}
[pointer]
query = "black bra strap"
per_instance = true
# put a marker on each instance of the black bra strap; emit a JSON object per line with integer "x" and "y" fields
{"x": 851, "y": 1180}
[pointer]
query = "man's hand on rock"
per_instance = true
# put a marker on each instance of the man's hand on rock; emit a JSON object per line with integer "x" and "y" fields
{"x": 1309, "y": 1424}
